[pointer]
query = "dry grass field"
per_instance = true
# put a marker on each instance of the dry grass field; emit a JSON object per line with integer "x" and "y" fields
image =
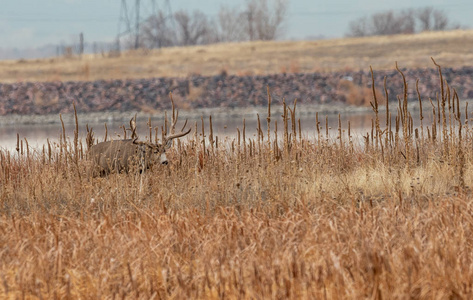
{"x": 276, "y": 215}
{"x": 452, "y": 48}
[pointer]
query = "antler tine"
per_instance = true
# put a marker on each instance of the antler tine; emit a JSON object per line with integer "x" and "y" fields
{"x": 133, "y": 128}
{"x": 173, "y": 135}
{"x": 185, "y": 123}
{"x": 176, "y": 135}
{"x": 172, "y": 104}
{"x": 174, "y": 122}
{"x": 174, "y": 117}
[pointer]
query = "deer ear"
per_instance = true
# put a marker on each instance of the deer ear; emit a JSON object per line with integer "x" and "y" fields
{"x": 168, "y": 144}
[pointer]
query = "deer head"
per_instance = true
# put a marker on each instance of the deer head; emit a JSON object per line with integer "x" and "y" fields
{"x": 156, "y": 153}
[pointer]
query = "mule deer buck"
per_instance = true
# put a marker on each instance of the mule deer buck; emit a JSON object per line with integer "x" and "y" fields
{"x": 130, "y": 154}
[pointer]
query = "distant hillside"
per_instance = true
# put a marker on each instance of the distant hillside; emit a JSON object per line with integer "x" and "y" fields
{"x": 450, "y": 49}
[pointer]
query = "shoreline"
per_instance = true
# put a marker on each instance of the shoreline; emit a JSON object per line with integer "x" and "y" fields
{"x": 192, "y": 115}
{"x": 217, "y": 113}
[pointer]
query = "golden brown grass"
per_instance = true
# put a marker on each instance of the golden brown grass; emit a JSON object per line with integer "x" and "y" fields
{"x": 452, "y": 48}
{"x": 269, "y": 216}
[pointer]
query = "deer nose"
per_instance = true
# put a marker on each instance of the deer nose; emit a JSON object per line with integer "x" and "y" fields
{"x": 164, "y": 160}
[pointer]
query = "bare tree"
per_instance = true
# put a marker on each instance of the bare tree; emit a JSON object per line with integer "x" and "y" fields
{"x": 230, "y": 25}
{"x": 264, "y": 21}
{"x": 440, "y": 20}
{"x": 358, "y": 27}
{"x": 157, "y": 32}
{"x": 432, "y": 19}
{"x": 406, "y": 21}
{"x": 385, "y": 23}
{"x": 192, "y": 29}
{"x": 424, "y": 17}
{"x": 259, "y": 20}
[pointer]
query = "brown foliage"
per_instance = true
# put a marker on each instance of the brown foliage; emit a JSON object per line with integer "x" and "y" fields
{"x": 270, "y": 216}
{"x": 354, "y": 94}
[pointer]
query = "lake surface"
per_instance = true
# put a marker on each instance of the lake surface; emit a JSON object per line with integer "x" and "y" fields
{"x": 225, "y": 128}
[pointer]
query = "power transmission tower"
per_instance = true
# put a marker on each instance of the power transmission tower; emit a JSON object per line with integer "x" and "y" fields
{"x": 168, "y": 10}
{"x": 133, "y": 16}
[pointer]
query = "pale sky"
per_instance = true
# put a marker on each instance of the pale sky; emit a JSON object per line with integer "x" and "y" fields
{"x": 35, "y": 23}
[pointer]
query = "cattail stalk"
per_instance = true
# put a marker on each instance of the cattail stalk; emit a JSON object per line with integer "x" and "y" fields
{"x": 421, "y": 117}
{"x": 268, "y": 118}
{"x": 375, "y": 108}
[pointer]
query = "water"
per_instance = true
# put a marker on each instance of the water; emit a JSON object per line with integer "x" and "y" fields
{"x": 224, "y": 128}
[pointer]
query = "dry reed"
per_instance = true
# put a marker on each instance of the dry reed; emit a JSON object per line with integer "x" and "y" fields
{"x": 285, "y": 218}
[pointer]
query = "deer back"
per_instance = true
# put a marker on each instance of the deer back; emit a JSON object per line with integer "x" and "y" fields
{"x": 119, "y": 156}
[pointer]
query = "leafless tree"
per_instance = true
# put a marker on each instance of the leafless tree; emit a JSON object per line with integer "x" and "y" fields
{"x": 230, "y": 25}
{"x": 432, "y": 19}
{"x": 358, "y": 27}
{"x": 259, "y": 20}
{"x": 440, "y": 20}
{"x": 424, "y": 16}
{"x": 265, "y": 18}
{"x": 193, "y": 29}
{"x": 406, "y": 21}
{"x": 157, "y": 32}
{"x": 385, "y": 23}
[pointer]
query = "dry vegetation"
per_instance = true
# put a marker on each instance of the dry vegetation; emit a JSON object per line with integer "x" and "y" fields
{"x": 275, "y": 215}
{"x": 453, "y": 48}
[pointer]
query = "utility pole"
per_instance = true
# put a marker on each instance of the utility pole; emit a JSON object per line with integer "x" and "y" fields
{"x": 81, "y": 43}
{"x": 250, "y": 25}
{"x": 137, "y": 24}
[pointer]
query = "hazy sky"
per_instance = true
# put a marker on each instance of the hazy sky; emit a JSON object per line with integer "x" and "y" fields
{"x": 33, "y": 23}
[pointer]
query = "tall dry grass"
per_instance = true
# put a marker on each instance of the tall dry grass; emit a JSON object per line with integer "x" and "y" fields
{"x": 275, "y": 215}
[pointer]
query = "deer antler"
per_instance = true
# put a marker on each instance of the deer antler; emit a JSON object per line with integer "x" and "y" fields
{"x": 173, "y": 127}
{"x": 175, "y": 115}
{"x": 132, "y": 128}
{"x": 176, "y": 135}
